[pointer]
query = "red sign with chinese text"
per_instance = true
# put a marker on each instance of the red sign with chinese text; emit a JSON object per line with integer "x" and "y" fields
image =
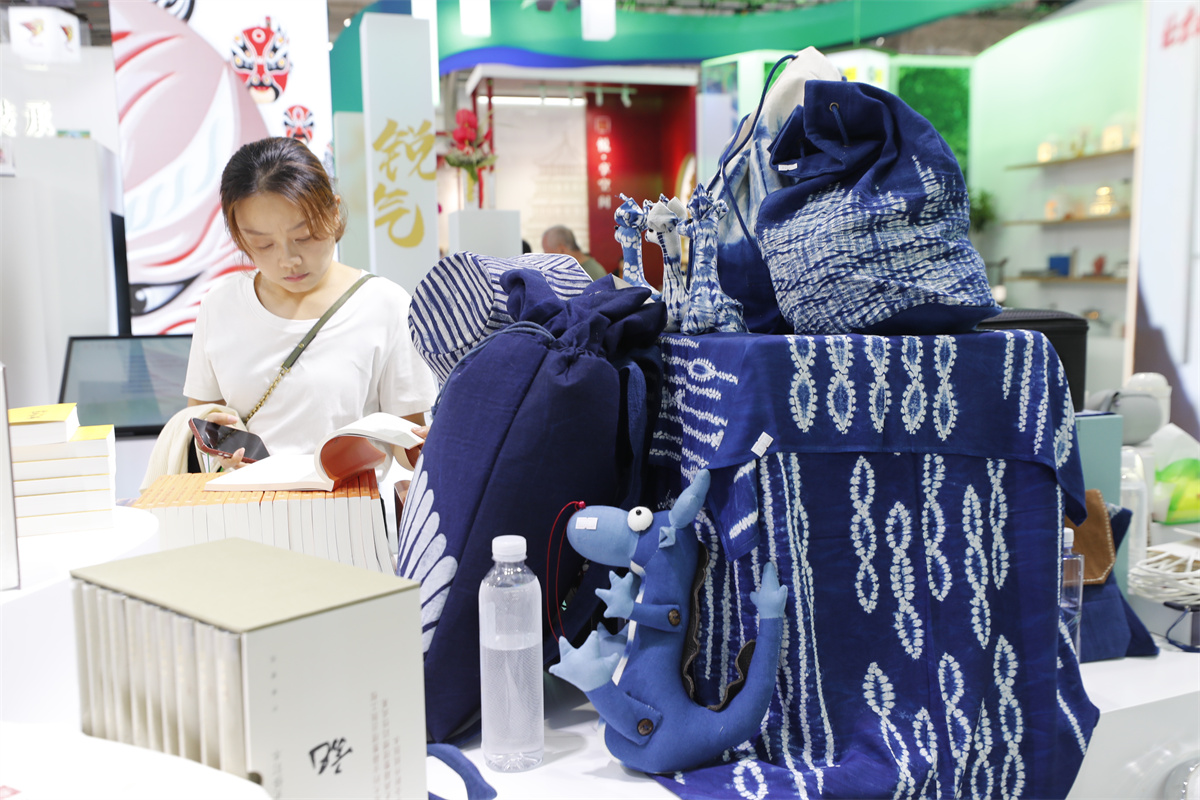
{"x": 636, "y": 151}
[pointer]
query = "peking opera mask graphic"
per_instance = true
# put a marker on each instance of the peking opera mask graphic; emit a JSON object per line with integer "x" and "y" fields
{"x": 298, "y": 123}
{"x": 259, "y": 56}
{"x": 177, "y": 130}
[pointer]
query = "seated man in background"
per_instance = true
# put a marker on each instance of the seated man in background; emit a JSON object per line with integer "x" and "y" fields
{"x": 560, "y": 239}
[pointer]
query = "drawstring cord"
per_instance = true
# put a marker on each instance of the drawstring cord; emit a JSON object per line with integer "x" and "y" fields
{"x": 552, "y": 577}
{"x": 841, "y": 128}
{"x": 749, "y": 135}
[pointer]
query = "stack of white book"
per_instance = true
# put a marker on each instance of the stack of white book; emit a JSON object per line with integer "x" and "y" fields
{"x": 63, "y": 473}
{"x": 295, "y": 672}
{"x": 345, "y": 524}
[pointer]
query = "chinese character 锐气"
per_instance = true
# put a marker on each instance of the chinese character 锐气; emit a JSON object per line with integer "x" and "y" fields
{"x": 390, "y": 208}
{"x": 413, "y": 146}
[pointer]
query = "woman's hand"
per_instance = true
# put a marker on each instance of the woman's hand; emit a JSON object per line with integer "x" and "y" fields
{"x": 413, "y": 453}
{"x": 235, "y": 460}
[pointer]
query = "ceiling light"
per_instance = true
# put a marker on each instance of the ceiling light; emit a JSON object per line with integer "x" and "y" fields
{"x": 599, "y": 96}
{"x": 346, "y": 22}
{"x": 599, "y": 18}
{"x": 475, "y": 17}
{"x": 626, "y": 100}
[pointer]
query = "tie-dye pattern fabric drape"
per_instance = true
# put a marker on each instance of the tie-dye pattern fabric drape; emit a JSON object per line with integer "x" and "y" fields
{"x": 910, "y": 491}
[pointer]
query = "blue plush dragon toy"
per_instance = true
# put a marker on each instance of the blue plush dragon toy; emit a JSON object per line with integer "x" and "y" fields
{"x": 637, "y": 679}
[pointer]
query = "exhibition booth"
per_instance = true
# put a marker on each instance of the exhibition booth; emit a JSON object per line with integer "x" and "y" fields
{"x": 874, "y": 327}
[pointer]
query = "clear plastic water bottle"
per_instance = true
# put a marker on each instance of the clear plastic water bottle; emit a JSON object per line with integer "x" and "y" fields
{"x": 1135, "y": 495}
{"x": 510, "y": 660}
{"x": 1071, "y": 591}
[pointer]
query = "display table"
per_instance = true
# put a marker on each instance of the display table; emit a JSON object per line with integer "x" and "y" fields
{"x": 1148, "y": 723}
{"x": 37, "y": 635}
{"x": 1148, "y": 726}
{"x": 576, "y": 762}
{"x": 57, "y": 762}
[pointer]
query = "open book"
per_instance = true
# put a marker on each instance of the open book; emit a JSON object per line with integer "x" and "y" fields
{"x": 348, "y": 451}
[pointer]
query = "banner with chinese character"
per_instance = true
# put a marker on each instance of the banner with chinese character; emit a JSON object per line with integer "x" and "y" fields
{"x": 1168, "y": 208}
{"x": 639, "y": 150}
{"x": 399, "y": 135}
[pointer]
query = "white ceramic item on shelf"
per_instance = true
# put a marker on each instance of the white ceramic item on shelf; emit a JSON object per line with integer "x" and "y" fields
{"x": 1153, "y": 383}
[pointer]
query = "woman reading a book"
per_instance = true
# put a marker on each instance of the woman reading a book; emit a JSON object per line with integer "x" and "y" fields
{"x": 281, "y": 211}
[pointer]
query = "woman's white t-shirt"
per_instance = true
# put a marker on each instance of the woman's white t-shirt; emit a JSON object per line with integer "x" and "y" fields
{"x": 362, "y": 361}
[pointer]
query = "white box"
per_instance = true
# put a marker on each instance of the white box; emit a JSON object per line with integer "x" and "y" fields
{"x": 331, "y": 701}
{"x": 487, "y": 231}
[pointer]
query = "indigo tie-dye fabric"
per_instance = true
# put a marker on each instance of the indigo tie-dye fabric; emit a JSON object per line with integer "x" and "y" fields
{"x": 708, "y": 309}
{"x": 872, "y": 236}
{"x": 745, "y": 180}
{"x": 662, "y": 221}
{"x": 910, "y": 491}
{"x": 630, "y": 227}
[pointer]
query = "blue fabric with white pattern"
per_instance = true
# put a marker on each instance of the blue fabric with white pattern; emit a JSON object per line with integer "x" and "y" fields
{"x": 631, "y": 222}
{"x": 872, "y": 235}
{"x": 460, "y": 301}
{"x": 744, "y": 274}
{"x": 910, "y": 491}
{"x": 708, "y": 308}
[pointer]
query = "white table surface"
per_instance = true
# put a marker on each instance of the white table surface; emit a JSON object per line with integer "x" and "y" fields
{"x": 38, "y": 672}
{"x": 1149, "y": 724}
{"x": 58, "y": 762}
{"x": 1150, "y": 710}
{"x": 43, "y": 753}
{"x": 576, "y": 763}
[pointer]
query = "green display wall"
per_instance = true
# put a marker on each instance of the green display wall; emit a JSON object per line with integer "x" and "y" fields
{"x": 522, "y": 35}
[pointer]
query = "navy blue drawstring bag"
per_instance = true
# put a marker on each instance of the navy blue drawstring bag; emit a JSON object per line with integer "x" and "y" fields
{"x": 527, "y": 422}
{"x": 871, "y": 237}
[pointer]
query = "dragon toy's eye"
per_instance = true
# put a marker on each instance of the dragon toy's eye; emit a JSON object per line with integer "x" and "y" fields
{"x": 640, "y": 519}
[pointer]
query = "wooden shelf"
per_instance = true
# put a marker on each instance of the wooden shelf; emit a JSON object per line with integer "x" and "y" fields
{"x": 1057, "y": 161}
{"x": 1073, "y": 221}
{"x": 1095, "y": 279}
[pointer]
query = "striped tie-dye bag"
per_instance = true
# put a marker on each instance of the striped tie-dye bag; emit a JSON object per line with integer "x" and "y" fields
{"x": 460, "y": 301}
{"x": 871, "y": 234}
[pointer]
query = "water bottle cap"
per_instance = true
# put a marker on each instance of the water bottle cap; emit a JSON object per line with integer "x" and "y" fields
{"x": 1068, "y": 538}
{"x": 508, "y": 548}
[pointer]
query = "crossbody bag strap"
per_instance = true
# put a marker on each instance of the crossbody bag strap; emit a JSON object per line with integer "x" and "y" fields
{"x": 308, "y": 337}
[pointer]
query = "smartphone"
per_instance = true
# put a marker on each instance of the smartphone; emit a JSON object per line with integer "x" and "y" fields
{"x": 222, "y": 440}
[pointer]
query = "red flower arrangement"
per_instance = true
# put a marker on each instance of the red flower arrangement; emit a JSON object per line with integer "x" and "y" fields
{"x": 472, "y": 151}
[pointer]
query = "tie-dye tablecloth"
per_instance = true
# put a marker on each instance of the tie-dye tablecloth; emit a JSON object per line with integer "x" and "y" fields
{"x": 910, "y": 491}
